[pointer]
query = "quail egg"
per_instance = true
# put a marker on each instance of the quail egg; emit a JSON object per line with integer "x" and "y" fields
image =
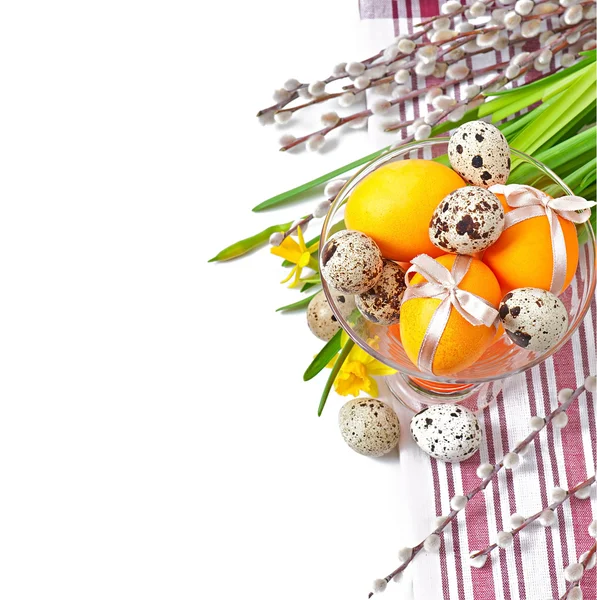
{"x": 351, "y": 262}
{"x": 320, "y": 317}
{"x": 480, "y": 154}
{"x": 447, "y": 432}
{"x": 534, "y": 319}
{"x": 468, "y": 220}
{"x": 381, "y": 304}
{"x": 369, "y": 426}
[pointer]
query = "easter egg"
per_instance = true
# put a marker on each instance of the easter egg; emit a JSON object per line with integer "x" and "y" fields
{"x": 320, "y": 317}
{"x": 447, "y": 432}
{"x": 533, "y": 318}
{"x": 369, "y": 426}
{"x": 394, "y": 205}
{"x": 467, "y": 221}
{"x": 381, "y": 304}
{"x": 351, "y": 262}
{"x": 461, "y": 343}
{"x": 479, "y": 152}
{"x": 522, "y": 256}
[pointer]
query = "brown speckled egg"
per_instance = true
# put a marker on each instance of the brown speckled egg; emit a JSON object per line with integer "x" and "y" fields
{"x": 466, "y": 221}
{"x": 381, "y": 304}
{"x": 480, "y": 154}
{"x": 534, "y": 319}
{"x": 351, "y": 262}
{"x": 369, "y": 426}
{"x": 320, "y": 317}
{"x": 447, "y": 432}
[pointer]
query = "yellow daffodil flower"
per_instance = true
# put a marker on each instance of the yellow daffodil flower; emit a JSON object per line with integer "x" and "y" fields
{"x": 356, "y": 374}
{"x": 298, "y": 254}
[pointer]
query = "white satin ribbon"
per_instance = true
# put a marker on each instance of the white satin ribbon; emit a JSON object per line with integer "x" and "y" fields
{"x": 443, "y": 285}
{"x": 529, "y": 202}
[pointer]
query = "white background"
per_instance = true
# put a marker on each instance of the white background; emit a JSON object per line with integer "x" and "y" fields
{"x": 156, "y": 439}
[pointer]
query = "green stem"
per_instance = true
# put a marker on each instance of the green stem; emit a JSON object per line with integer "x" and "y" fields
{"x": 290, "y": 194}
{"x": 335, "y": 370}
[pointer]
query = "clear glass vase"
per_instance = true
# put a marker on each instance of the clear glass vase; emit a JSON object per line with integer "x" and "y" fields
{"x": 479, "y": 383}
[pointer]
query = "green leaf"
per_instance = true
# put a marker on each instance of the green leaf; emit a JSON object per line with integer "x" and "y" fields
{"x": 582, "y": 177}
{"x": 586, "y": 117}
{"x": 589, "y": 58}
{"x": 577, "y": 98}
{"x": 243, "y": 246}
{"x": 322, "y": 359}
{"x": 302, "y": 303}
{"x": 309, "y": 284}
{"x": 292, "y": 194}
{"x": 509, "y": 128}
{"x": 569, "y": 154}
{"x": 335, "y": 370}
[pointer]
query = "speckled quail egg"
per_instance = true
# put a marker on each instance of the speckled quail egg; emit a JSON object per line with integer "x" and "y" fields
{"x": 369, "y": 426}
{"x": 480, "y": 154}
{"x": 381, "y": 304}
{"x": 351, "y": 262}
{"x": 534, "y": 319}
{"x": 466, "y": 221}
{"x": 447, "y": 432}
{"x": 320, "y": 317}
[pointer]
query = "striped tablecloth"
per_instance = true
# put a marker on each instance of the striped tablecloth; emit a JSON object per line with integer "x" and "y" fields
{"x": 532, "y": 568}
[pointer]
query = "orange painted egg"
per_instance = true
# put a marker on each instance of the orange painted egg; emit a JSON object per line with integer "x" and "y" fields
{"x": 522, "y": 256}
{"x": 461, "y": 343}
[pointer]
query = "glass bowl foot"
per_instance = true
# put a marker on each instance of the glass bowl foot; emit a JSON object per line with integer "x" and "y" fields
{"x": 416, "y": 393}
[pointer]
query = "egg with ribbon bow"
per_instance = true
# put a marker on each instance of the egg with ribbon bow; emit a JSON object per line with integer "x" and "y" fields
{"x": 449, "y": 312}
{"x": 539, "y": 245}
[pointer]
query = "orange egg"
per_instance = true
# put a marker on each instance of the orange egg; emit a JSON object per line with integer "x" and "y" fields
{"x": 461, "y": 343}
{"x": 395, "y": 203}
{"x": 522, "y": 256}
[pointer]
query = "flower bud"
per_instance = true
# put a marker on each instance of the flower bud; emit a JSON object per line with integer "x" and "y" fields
{"x": 314, "y": 143}
{"x": 441, "y": 23}
{"x": 402, "y": 76}
{"x": 512, "y": 20}
{"x": 422, "y": 132}
{"x": 450, "y": 7}
{"x": 443, "y": 102}
{"x": 380, "y": 107}
{"x": 354, "y": 69}
{"x": 457, "y": 114}
{"x": 504, "y": 539}
{"x": 530, "y": 29}
{"x": 282, "y": 117}
{"x": 547, "y": 518}
{"x": 347, "y": 99}
{"x": 440, "y": 70}
{"x": 330, "y": 119}
{"x": 545, "y": 8}
{"x": 406, "y": 46}
{"x": 424, "y": 69}
{"x": 333, "y": 187}
{"x": 573, "y": 15}
{"x": 432, "y": 93}
{"x": 524, "y": 7}
{"x": 390, "y": 53}
{"x": 362, "y": 82}
{"x": 574, "y": 572}
{"x": 478, "y": 9}
{"x": 321, "y": 210}
{"x": 317, "y": 88}
{"x": 457, "y": 72}
{"x": 433, "y": 117}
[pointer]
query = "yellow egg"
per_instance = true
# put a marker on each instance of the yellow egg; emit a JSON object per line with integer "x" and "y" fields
{"x": 394, "y": 205}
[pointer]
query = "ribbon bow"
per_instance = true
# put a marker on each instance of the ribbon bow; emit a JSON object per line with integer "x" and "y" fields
{"x": 529, "y": 202}
{"x": 443, "y": 285}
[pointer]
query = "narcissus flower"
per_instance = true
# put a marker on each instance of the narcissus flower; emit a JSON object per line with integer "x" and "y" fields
{"x": 358, "y": 370}
{"x": 298, "y": 254}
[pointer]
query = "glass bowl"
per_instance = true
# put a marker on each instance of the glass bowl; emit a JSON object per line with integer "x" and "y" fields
{"x": 503, "y": 358}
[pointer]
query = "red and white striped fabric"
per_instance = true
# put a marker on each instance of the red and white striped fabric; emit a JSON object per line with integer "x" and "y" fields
{"x": 532, "y": 568}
